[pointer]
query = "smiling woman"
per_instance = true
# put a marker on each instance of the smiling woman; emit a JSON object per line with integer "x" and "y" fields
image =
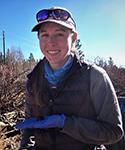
{"x": 55, "y": 43}
{"x": 76, "y": 100}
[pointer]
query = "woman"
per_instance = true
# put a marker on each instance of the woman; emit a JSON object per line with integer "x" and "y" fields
{"x": 69, "y": 104}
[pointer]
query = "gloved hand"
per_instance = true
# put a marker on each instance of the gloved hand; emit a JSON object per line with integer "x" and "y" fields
{"x": 28, "y": 123}
{"x": 54, "y": 121}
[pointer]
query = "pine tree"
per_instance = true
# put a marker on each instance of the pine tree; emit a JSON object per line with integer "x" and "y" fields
{"x": 80, "y": 52}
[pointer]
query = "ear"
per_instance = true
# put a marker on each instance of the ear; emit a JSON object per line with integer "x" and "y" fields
{"x": 74, "y": 37}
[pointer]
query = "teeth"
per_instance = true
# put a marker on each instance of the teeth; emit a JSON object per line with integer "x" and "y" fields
{"x": 53, "y": 52}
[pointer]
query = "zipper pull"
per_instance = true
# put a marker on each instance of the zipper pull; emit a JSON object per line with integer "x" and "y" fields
{"x": 50, "y": 102}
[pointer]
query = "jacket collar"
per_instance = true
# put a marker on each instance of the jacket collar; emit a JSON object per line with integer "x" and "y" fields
{"x": 38, "y": 71}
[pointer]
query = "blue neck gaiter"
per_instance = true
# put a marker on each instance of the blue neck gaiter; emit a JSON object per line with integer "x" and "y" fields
{"x": 55, "y": 77}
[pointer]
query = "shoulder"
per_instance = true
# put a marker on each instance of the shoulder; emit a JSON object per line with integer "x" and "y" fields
{"x": 37, "y": 69}
{"x": 99, "y": 78}
{"x": 97, "y": 72}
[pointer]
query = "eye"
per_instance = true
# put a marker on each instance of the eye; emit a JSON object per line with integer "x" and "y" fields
{"x": 59, "y": 34}
{"x": 44, "y": 35}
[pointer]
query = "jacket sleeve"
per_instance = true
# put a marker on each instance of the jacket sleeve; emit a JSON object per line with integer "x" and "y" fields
{"x": 107, "y": 128}
{"x": 27, "y": 132}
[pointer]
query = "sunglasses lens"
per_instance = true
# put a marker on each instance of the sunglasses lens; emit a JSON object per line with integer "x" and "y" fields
{"x": 42, "y": 15}
{"x": 60, "y": 14}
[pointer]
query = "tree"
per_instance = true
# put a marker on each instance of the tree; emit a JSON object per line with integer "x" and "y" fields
{"x": 8, "y": 57}
{"x": 13, "y": 56}
{"x": 19, "y": 56}
{"x": 111, "y": 63}
{"x": 80, "y": 52}
{"x": 1, "y": 58}
{"x": 100, "y": 62}
{"x": 31, "y": 60}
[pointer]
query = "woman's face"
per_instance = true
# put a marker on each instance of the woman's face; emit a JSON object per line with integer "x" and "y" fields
{"x": 56, "y": 42}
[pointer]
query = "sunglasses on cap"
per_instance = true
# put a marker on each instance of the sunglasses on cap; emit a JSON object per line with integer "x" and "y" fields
{"x": 58, "y": 14}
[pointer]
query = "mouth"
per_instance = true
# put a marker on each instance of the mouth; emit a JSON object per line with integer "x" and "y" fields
{"x": 53, "y": 52}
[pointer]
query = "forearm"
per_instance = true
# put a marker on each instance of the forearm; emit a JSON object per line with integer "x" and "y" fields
{"x": 91, "y": 132}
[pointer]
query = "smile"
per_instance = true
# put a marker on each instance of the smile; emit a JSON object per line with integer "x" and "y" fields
{"x": 53, "y": 52}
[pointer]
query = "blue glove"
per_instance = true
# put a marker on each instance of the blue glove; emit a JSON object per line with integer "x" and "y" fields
{"x": 28, "y": 123}
{"x": 54, "y": 121}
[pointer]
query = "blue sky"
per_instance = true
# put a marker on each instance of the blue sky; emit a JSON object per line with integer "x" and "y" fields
{"x": 100, "y": 26}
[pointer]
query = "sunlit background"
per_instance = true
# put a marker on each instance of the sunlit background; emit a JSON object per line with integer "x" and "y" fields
{"x": 100, "y": 26}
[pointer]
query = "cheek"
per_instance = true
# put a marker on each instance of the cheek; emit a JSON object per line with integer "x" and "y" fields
{"x": 67, "y": 42}
{"x": 65, "y": 45}
{"x": 42, "y": 47}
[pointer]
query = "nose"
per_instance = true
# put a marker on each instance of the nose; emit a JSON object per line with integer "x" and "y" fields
{"x": 51, "y": 41}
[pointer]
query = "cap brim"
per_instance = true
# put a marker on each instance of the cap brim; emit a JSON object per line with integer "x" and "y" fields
{"x": 63, "y": 23}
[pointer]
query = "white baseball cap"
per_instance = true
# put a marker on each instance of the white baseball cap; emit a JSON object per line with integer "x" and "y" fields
{"x": 57, "y": 15}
